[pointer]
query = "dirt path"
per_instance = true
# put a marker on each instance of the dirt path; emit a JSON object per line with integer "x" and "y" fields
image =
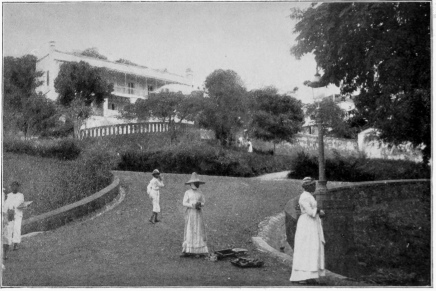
{"x": 274, "y": 176}
{"x": 120, "y": 247}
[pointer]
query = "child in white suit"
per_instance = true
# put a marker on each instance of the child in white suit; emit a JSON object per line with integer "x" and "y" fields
{"x": 153, "y": 191}
{"x": 13, "y": 207}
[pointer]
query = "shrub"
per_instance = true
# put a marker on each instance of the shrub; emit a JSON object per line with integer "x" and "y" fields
{"x": 356, "y": 169}
{"x": 204, "y": 158}
{"x": 52, "y": 183}
{"x": 63, "y": 149}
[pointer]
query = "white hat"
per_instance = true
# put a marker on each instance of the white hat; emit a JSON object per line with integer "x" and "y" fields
{"x": 194, "y": 178}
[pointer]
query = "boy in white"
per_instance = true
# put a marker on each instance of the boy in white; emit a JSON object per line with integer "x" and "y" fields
{"x": 153, "y": 191}
{"x": 14, "y": 207}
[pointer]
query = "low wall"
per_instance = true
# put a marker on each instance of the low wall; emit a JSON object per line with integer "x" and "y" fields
{"x": 340, "y": 204}
{"x": 58, "y": 217}
{"x": 128, "y": 128}
{"x": 309, "y": 143}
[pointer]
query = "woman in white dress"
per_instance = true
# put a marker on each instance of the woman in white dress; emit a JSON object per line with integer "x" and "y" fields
{"x": 308, "y": 261}
{"x": 250, "y": 146}
{"x": 153, "y": 190}
{"x": 194, "y": 241}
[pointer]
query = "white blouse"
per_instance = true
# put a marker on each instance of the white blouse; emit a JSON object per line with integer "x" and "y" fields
{"x": 192, "y": 197}
{"x": 13, "y": 201}
{"x": 156, "y": 184}
{"x": 308, "y": 204}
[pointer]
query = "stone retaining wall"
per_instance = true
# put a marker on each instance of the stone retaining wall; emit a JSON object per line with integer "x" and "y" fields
{"x": 58, "y": 217}
{"x": 273, "y": 231}
{"x": 340, "y": 204}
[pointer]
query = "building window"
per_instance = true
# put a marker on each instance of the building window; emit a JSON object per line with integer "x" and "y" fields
{"x": 111, "y": 106}
{"x": 131, "y": 87}
{"x": 48, "y": 78}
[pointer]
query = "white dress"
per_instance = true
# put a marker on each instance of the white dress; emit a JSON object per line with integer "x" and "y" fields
{"x": 194, "y": 241}
{"x": 250, "y": 147}
{"x": 154, "y": 186}
{"x": 13, "y": 232}
{"x": 308, "y": 261}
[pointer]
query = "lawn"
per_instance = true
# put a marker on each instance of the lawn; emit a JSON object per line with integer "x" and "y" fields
{"x": 121, "y": 248}
{"x": 50, "y": 183}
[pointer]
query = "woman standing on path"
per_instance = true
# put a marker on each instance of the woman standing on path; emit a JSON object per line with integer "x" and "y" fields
{"x": 194, "y": 241}
{"x": 153, "y": 191}
{"x": 308, "y": 261}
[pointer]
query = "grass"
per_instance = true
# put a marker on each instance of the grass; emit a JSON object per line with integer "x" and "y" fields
{"x": 394, "y": 242}
{"x": 50, "y": 183}
{"x": 120, "y": 248}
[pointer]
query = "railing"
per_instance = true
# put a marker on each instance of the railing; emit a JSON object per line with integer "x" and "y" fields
{"x": 129, "y": 128}
{"x": 131, "y": 91}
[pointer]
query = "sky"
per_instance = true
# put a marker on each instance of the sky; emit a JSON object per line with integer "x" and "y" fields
{"x": 251, "y": 38}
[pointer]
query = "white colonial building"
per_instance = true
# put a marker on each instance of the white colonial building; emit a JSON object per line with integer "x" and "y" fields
{"x": 131, "y": 82}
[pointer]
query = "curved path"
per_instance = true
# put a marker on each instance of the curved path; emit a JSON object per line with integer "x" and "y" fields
{"x": 120, "y": 247}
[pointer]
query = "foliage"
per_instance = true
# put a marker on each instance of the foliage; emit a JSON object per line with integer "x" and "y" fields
{"x": 203, "y": 158}
{"x": 225, "y": 109}
{"x": 52, "y": 183}
{"x": 394, "y": 241}
{"x": 64, "y": 149}
{"x": 357, "y": 169}
{"x": 76, "y": 113}
{"x": 39, "y": 115}
{"x": 127, "y": 62}
{"x": 63, "y": 130}
{"x": 170, "y": 107}
{"x": 332, "y": 117}
{"x": 275, "y": 117}
{"x": 25, "y": 110}
{"x": 79, "y": 85}
{"x": 381, "y": 50}
{"x": 93, "y": 53}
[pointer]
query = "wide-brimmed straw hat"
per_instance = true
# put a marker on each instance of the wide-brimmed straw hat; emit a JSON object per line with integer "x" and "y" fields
{"x": 194, "y": 178}
{"x": 308, "y": 181}
{"x": 155, "y": 171}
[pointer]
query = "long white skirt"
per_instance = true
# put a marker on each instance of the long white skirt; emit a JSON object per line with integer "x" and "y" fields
{"x": 194, "y": 241}
{"x": 155, "y": 196}
{"x": 308, "y": 261}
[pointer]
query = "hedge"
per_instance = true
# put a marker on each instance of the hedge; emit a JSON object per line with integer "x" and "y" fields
{"x": 357, "y": 169}
{"x": 203, "y": 158}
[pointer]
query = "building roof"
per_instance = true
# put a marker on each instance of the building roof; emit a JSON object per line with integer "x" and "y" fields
{"x": 121, "y": 67}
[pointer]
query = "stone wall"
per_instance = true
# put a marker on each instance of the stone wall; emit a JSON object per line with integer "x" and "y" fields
{"x": 309, "y": 143}
{"x": 340, "y": 204}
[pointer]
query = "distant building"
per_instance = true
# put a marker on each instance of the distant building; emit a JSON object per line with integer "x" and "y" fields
{"x": 346, "y": 103}
{"x": 131, "y": 82}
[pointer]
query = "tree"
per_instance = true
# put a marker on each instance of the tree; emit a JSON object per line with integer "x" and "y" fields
{"x": 275, "y": 117}
{"x": 332, "y": 117}
{"x": 170, "y": 107}
{"x": 93, "y": 53}
{"x": 226, "y": 106}
{"x": 79, "y": 85}
{"x": 25, "y": 110}
{"x": 39, "y": 115}
{"x": 380, "y": 50}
